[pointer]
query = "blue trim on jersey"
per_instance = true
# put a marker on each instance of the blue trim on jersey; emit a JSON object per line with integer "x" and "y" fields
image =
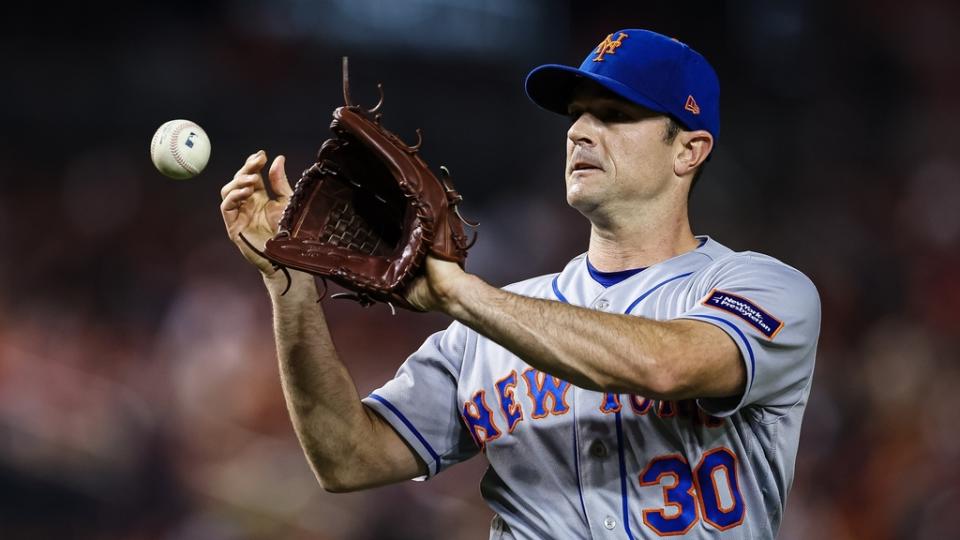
{"x": 556, "y": 291}
{"x": 409, "y": 425}
{"x": 753, "y": 362}
{"x": 611, "y": 278}
{"x": 576, "y": 470}
{"x": 655, "y": 287}
{"x": 623, "y": 476}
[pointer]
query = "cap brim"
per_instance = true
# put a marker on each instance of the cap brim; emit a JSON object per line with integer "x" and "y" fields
{"x": 551, "y": 86}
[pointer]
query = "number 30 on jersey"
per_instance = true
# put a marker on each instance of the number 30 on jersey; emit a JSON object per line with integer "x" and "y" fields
{"x": 710, "y": 490}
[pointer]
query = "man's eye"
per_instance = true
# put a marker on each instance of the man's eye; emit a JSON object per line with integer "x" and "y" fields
{"x": 615, "y": 115}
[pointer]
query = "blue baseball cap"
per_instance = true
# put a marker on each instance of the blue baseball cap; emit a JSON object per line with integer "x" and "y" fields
{"x": 646, "y": 68}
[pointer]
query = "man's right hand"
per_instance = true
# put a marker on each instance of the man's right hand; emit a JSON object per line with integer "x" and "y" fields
{"x": 247, "y": 208}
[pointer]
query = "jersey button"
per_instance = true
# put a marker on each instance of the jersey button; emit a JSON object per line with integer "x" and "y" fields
{"x": 602, "y": 304}
{"x": 609, "y": 522}
{"x": 598, "y": 450}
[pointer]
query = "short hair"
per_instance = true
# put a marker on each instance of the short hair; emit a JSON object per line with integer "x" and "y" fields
{"x": 673, "y": 129}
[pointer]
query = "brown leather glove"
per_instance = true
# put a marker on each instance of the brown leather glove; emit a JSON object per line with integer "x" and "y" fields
{"x": 368, "y": 212}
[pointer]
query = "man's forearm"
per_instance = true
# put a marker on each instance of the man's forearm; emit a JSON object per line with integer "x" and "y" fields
{"x": 591, "y": 349}
{"x": 333, "y": 426}
{"x": 320, "y": 394}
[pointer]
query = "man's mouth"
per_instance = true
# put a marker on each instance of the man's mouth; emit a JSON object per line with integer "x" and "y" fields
{"x": 586, "y": 166}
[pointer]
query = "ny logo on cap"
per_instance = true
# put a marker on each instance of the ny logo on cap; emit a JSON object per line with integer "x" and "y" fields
{"x": 608, "y": 46}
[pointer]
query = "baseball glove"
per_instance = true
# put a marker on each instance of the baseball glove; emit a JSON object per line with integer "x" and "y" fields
{"x": 368, "y": 212}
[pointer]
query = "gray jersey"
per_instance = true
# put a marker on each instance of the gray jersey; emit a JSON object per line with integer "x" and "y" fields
{"x": 572, "y": 463}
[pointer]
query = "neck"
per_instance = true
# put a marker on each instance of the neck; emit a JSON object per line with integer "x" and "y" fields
{"x": 639, "y": 243}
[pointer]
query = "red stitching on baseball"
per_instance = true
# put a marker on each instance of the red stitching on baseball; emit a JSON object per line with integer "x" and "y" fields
{"x": 173, "y": 147}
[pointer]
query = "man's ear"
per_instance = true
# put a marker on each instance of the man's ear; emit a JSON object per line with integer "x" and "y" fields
{"x": 693, "y": 147}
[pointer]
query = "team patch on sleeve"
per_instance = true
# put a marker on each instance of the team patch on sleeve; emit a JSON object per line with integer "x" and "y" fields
{"x": 766, "y": 323}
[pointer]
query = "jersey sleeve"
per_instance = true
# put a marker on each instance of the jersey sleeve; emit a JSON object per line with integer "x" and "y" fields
{"x": 772, "y": 312}
{"x": 420, "y": 402}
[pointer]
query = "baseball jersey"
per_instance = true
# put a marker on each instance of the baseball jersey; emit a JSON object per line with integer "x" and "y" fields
{"x": 566, "y": 462}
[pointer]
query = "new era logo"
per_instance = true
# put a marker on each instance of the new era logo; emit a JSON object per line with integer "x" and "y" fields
{"x": 692, "y": 105}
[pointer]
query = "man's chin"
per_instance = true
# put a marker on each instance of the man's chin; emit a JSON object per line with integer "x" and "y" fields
{"x": 583, "y": 202}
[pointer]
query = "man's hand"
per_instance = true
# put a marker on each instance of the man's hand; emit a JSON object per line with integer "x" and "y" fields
{"x": 440, "y": 287}
{"x": 248, "y": 210}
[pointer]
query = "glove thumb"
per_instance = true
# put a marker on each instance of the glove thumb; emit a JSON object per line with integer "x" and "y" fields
{"x": 278, "y": 177}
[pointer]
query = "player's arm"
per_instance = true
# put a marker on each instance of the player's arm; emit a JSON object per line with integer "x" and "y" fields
{"x": 595, "y": 350}
{"x": 348, "y": 445}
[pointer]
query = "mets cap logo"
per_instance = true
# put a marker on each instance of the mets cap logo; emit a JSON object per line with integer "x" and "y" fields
{"x": 608, "y": 46}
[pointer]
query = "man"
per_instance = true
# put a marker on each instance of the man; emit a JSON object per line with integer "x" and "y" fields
{"x": 653, "y": 387}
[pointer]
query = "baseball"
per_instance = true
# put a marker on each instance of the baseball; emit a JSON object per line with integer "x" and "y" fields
{"x": 180, "y": 149}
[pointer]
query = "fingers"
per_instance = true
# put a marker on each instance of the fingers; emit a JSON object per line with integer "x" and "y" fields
{"x": 278, "y": 177}
{"x": 254, "y": 163}
{"x": 249, "y": 174}
{"x": 235, "y": 198}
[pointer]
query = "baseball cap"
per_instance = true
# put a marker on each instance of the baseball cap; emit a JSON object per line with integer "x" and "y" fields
{"x": 644, "y": 67}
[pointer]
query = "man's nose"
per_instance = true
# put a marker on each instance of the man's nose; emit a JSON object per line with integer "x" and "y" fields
{"x": 583, "y": 131}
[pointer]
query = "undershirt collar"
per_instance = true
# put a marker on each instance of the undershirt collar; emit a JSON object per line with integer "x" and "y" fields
{"x": 608, "y": 279}
{"x": 611, "y": 278}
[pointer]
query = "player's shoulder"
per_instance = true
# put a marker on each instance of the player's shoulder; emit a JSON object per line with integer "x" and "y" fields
{"x": 755, "y": 259}
{"x": 753, "y": 266}
{"x": 541, "y": 286}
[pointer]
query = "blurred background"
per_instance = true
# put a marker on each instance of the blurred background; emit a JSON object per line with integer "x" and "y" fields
{"x": 139, "y": 395}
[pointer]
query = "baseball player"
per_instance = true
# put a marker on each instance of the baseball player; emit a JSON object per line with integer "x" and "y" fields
{"x": 653, "y": 387}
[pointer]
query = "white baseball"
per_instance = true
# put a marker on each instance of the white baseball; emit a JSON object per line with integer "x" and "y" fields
{"x": 180, "y": 149}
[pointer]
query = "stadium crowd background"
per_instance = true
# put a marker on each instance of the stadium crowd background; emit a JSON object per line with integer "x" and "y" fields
{"x": 139, "y": 396}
